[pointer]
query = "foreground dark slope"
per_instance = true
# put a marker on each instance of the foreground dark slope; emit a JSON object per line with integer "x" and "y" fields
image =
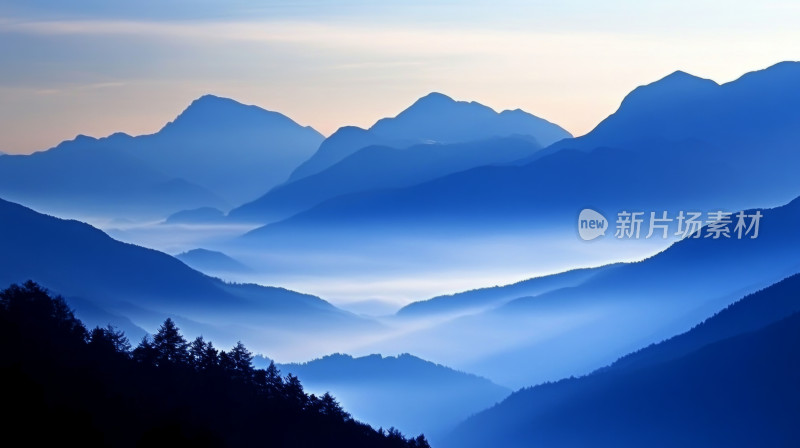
{"x": 65, "y": 385}
{"x": 730, "y": 381}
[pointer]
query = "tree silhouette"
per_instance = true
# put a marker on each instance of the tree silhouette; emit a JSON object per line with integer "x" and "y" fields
{"x": 241, "y": 361}
{"x": 273, "y": 382}
{"x": 331, "y": 407}
{"x": 171, "y": 348}
{"x": 145, "y": 353}
{"x": 204, "y": 357}
{"x": 293, "y": 391}
{"x": 110, "y": 340}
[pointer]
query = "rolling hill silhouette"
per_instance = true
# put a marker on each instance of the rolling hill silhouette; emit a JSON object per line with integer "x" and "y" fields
{"x": 210, "y": 261}
{"x": 424, "y": 396}
{"x": 487, "y": 298}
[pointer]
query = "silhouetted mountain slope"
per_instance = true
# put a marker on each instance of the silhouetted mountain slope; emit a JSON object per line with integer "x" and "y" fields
{"x": 486, "y": 298}
{"x": 67, "y": 385}
{"x": 433, "y": 118}
{"x": 416, "y": 396}
{"x": 377, "y": 167}
{"x": 730, "y": 381}
{"x": 217, "y": 139}
{"x": 542, "y": 195}
{"x": 211, "y": 261}
{"x": 212, "y": 142}
{"x": 77, "y": 260}
{"x": 670, "y": 146}
{"x": 743, "y": 117}
{"x": 342, "y": 143}
{"x": 751, "y": 313}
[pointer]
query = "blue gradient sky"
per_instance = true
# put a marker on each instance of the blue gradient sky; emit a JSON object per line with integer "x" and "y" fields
{"x": 92, "y": 67}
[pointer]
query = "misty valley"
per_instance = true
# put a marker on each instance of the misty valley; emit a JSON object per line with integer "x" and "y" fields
{"x": 451, "y": 276}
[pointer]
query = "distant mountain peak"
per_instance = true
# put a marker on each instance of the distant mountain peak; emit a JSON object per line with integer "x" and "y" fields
{"x": 434, "y": 117}
{"x": 209, "y": 100}
{"x": 680, "y": 76}
{"x": 210, "y": 111}
{"x": 214, "y": 104}
{"x": 83, "y": 138}
{"x": 435, "y": 98}
{"x": 672, "y": 87}
{"x": 433, "y": 111}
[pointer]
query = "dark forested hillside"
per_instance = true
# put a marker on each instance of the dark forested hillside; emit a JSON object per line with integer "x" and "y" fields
{"x": 64, "y": 383}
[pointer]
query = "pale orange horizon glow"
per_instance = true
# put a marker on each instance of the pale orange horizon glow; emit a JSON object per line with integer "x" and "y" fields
{"x": 134, "y": 76}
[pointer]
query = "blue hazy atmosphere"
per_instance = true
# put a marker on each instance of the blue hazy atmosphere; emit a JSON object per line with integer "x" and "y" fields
{"x": 413, "y": 224}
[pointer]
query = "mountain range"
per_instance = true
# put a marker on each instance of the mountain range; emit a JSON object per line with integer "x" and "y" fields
{"x": 677, "y": 144}
{"x": 434, "y": 137}
{"x": 191, "y": 162}
{"x": 573, "y": 323}
{"x": 434, "y": 118}
{"x": 134, "y": 288}
{"x": 381, "y": 167}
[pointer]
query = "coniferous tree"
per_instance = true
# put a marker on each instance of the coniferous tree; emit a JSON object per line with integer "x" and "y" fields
{"x": 421, "y": 442}
{"x": 331, "y": 407}
{"x": 31, "y": 306}
{"x": 242, "y": 361}
{"x": 293, "y": 391}
{"x": 226, "y": 364}
{"x": 273, "y": 380}
{"x": 204, "y": 357}
{"x": 313, "y": 404}
{"x": 210, "y": 359}
{"x": 110, "y": 340}
{"x": 170, "y": 346}
{"x": 145, "y": 353}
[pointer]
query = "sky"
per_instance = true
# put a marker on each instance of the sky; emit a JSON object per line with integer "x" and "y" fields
{"x": 95, "y": 67}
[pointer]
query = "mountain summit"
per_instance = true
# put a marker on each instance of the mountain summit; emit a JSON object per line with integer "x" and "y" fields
{"x": 212, "y": 142}
{"x": 211, "y": 113}
{"x": 434, "y": 118}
